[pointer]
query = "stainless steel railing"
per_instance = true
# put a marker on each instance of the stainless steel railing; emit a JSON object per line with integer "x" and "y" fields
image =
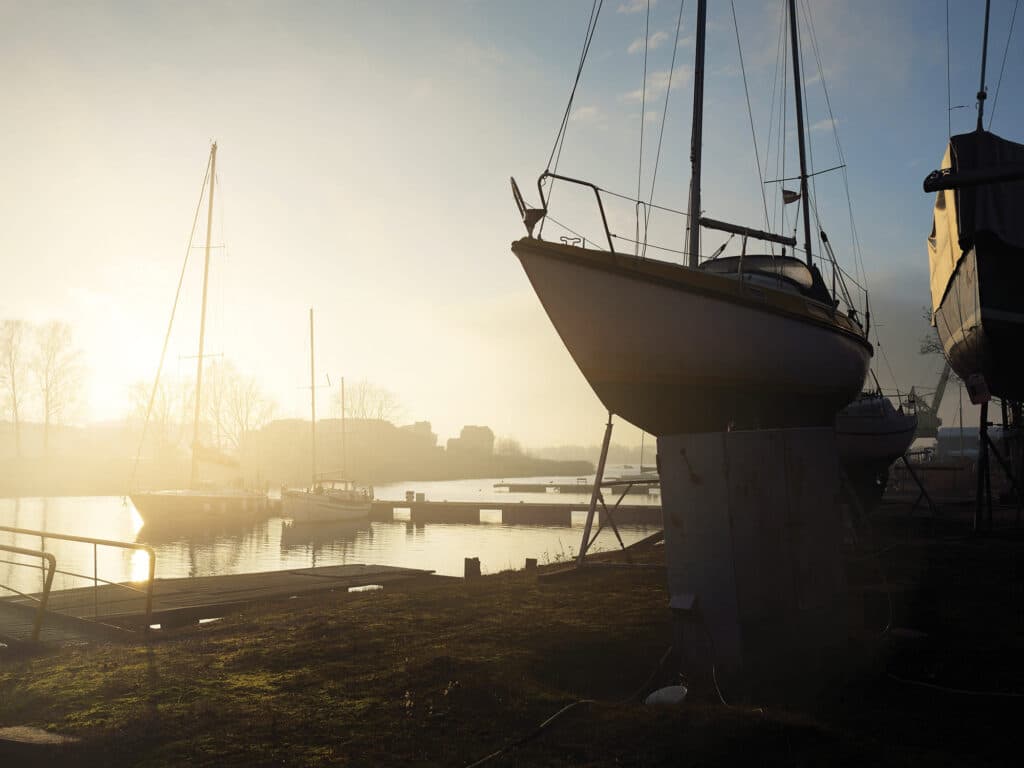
{"x": 95, "y": 578}
{"x": 44, "y": 595}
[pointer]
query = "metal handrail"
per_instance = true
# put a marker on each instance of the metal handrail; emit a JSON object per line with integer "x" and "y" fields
{"x": 37, "y": 625}
{"x": 597, "y": 194}
{"x": 838, "y": 273}
{"x": 98, "y": 543}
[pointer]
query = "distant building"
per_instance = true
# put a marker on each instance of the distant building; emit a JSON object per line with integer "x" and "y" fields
{"x": 472, "y": 441}
{"x": 421, "y": 433}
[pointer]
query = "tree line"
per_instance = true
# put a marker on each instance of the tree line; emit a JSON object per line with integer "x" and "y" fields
{"x": 233, "y": 403}
{"x": 41, "y": 374}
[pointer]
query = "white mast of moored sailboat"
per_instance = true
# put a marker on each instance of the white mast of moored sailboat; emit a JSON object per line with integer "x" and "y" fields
{"x": 312, "y": 397}
{"x": 202, "y": 322}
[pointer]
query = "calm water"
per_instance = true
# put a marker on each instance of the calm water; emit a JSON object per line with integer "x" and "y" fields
{"x": 276, "y": 544}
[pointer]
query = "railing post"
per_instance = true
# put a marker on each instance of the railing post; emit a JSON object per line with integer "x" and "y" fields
{"x": 47, "y": 583}
{"x": 149, "y": 590}
{"x": 95, "y": 582}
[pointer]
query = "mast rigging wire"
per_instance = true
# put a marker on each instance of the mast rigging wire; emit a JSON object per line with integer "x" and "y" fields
{"x": 771, "y": 117}
{"x": 999, "y": 82}
{"x": 661, "y": 132}
{"x": 949, "y": 97}
{"x": 813, "y": 191}
{"x": 643, "y": 116}
{"x": 750, "y": 114}
{"x": 556, "y": 149}
{"x": 170, "y": 324}
{"x": 855, "y": 237}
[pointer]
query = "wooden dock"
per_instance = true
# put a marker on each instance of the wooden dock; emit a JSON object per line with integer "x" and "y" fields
{"x": 512, "y": 512}
{"x": 576, "y": 488}
{"x": 177, "y": 602}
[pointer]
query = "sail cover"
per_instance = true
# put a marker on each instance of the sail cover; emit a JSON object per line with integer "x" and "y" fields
{"x": 961, "y": 215}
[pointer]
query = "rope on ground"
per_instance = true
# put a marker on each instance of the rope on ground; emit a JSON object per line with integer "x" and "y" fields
{"x": 532, "y": 734}
{"x": 956, "y": 691}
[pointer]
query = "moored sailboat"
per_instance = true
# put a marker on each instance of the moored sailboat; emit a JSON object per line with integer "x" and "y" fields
{"x": 197, "y": 504}
{"x": 748, "y": 342}
{"x": 326, "y": 499}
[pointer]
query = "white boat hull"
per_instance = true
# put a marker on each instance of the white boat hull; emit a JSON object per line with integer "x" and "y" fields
{"x": 305, "y": 507}
{"x": 873, "y": 432}
{"x": 673, "y": 358}
{"x": 186, "y": 507}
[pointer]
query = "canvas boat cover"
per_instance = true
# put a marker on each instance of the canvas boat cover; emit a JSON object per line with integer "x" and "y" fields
{"x": 961, "y": 215}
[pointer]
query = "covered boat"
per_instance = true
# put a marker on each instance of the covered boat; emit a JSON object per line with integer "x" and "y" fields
{"x": 976, "y": 261}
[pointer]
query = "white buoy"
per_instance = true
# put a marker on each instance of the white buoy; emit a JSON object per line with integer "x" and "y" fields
{"x": 671, "y": 694}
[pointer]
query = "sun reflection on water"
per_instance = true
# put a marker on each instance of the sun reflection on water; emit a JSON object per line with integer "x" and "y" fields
{"x": 139, "y": 566}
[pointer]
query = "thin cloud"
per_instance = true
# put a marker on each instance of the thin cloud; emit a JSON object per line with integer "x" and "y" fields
{"x": 657, "y": 83}
{"x": 824, "y": 125}
{"x": 635, "y": 6}
{"x": 653, "y": 42}
{"x": 587, "y": 113}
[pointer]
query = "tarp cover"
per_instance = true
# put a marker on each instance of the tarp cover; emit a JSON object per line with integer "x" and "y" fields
{"x": 960, "y": 215}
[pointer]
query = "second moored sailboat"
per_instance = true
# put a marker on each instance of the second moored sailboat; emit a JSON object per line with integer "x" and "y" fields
{"x": 327, "y": 499}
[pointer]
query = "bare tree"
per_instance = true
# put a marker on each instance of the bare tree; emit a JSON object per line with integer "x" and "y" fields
{"x": 507, "y": 446}
{"x": 219, "y": 378}
{"x": 58, "y": 372}
{"x": 247, "y": 408}
{"x": 172, "y": 404}
{"x": 366, "y": 400}
{"x": 13, "y": 368}
{"x": 930, "y": 344}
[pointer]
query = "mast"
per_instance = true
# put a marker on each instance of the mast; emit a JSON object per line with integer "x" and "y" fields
{"x": 344, "y": 467}
{"x": 312, "y": 396}
{"x": 984, "y": 57}
{"x": 696, "y": 135}
{"x": 202, "y": 321}
{"x": 798, "y": 91}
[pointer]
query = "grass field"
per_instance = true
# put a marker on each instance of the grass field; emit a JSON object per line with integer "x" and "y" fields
{"x": 445, "y": 671}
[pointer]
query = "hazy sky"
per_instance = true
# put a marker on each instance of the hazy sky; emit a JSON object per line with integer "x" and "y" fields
{"x": 364, "y": 156}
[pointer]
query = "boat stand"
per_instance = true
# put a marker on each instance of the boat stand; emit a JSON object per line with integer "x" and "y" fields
{"x": 923, "y": 492}
{"x": 986, "y": 445}
{"x": 753, "y": 551}
{"x": 597, "y": 497}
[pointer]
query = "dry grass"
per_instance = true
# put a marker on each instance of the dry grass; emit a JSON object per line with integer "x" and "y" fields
{"x": 442, "y": 672}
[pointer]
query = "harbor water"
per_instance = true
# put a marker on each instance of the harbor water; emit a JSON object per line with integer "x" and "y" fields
{"x": 278, "y": 544}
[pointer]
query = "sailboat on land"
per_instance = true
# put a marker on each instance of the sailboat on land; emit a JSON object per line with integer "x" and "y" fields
{"x": 326, "y": 499}
{"x": 976, "y": 257}
{"x": 753, "y": 341}
{"x": 198, "y": 504}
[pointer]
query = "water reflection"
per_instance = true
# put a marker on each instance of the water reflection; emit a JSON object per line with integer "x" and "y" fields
{"x": 272, "y": 544}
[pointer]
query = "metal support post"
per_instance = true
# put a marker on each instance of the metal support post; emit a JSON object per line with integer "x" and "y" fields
{"x": 983, "y": 492}
{"x": 595, "y": 494}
